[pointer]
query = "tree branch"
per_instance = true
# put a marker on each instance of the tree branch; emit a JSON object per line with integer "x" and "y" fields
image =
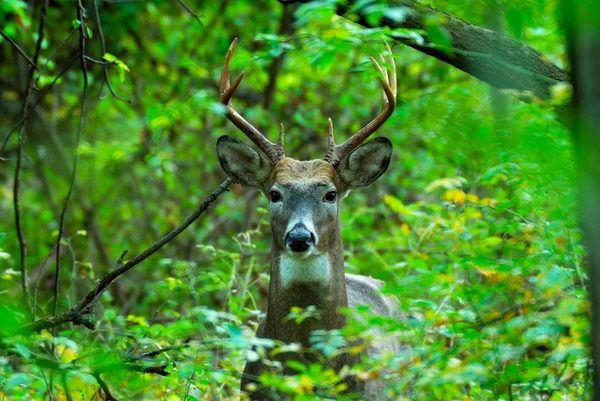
{"x": 482, "y": 53}
{"x": 17, "y": 182}
{"x": 18, "y": 49}
{"x": 190, "y": 11}
{"x": 21, "y": 122}
{"x": 84, "y": 306}
{"x": 61, "y": 224}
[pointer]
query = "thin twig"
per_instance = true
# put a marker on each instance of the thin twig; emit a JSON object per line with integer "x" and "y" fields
{"x": 75, "y": 315}
{"x": 100, "y": 62}
{"x": 109, "y": 278}
{"x": 103, "y": 43}
{"x": 37, "y": 101}
{"x": 159, "y": 351}
{"x": 190, "y": 11}
{"x": 61, "y": 224}
{"x": 17, "y": 182}
{"x": 108, "y": 395}
{"x": 18, "y": 49}
{"x": 64, "y": 42}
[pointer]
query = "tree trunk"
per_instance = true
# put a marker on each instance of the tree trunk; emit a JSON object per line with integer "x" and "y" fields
{"x": 487, "y": 55}
{"x": 581, "y": 21}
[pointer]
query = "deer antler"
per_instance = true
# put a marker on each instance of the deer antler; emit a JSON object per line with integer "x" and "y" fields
{"x": 226, "y": 90}
{"x": 336, "y": 153}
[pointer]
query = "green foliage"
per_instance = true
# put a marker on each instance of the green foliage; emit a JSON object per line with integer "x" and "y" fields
{"x": 473, "y": 228}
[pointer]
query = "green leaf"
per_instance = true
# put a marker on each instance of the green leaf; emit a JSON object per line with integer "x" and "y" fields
{"x": 297, "y": 366}
{"x": 109, "y": 57}
{"x": 76, "y": 23}
{"x": 90, "y": 34}
{"x": 18, "y": 379}
{"x": 22, "y": 350}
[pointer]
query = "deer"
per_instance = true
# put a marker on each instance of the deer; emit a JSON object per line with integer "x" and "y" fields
{"x": 307, "y": 256}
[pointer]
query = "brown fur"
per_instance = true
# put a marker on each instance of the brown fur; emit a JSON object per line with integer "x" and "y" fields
{"x": 289, "y": 171}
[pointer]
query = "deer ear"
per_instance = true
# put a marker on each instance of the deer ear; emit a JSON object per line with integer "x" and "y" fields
{"x": 242, "y": 163}
{"x": 366, "y": 163}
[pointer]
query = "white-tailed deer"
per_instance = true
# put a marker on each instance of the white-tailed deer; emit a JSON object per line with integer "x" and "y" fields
{"x": 307, "y": 258}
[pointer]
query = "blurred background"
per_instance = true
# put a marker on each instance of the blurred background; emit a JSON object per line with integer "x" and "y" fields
{"x": 473, "y": 227}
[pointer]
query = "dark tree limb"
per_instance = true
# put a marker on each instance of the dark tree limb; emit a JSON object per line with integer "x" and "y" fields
{"x": 18, "y": 49}
{"x": 84, "y": 306}
{"x": 107, "y": 394}
{"x": 47, "y": 88}
{"x": 581, "y": 21}
{"x": 482, "y": 53}
{"x": 190, "y": 11}
{"x": 17, "y": 181}
{"x": 61, "y": 223}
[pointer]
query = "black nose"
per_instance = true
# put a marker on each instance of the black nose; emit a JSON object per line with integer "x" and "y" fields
{"x": 299, "y": 239}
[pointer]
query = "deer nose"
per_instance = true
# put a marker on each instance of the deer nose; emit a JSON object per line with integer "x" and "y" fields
{"x": 299, "y": 239}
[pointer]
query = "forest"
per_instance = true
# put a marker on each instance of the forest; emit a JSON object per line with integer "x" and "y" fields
{"x": 142, "y": 242}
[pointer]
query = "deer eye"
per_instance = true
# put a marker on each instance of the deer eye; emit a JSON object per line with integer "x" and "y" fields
{"x": 330, "y": 196}
{"x": 275, "y": 196}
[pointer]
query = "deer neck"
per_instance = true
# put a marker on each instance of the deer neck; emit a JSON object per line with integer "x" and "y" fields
{"x": 317, "y": 281}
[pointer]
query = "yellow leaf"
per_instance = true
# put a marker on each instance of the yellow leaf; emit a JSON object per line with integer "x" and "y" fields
{"x": 66, "y": 354}
{"x": 455, "y": 196}
{"x": 472, "y": 198}
{"x": 137, "y": 319}
{"x": 492, "y": 242}
{"x": 357, "y": 349}
{"x": 306, "y": 384}
{"x": 488, "y": 202}
{"x": 458, "y": 227}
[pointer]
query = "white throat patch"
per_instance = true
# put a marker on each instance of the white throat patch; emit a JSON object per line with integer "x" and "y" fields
{"x": 312, "y": 269}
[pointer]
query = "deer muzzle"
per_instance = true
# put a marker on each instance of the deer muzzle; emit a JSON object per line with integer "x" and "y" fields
{"x": 299, "y": 239}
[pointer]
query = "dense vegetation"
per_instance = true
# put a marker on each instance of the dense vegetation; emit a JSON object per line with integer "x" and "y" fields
{"x": 473, "y": 228}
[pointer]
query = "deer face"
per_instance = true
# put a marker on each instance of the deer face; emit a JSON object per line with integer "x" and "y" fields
{"x": 304, "y": 196}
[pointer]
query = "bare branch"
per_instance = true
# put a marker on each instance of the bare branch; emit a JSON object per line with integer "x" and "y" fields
{"x": 61, "y": 224}
{"x": 18, "y": 49}
{"x": 104, "y": 387}
{"x": 64, "y": 42}
{"x": 190, "y": 11}
{"x": 17, "y": 182}
{"x": 156, "y": 352}
{"x": 85, "y": 305}
{"x": 37, "y": 101}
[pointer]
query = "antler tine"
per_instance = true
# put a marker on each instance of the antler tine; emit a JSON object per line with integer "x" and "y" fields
{"x": 274, "y": 151}
{"x": 331, "y": 146}
{"x": 336, "y": 153}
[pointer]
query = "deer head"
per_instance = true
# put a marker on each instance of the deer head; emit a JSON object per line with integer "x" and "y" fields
{"x": 304, "y": 196}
